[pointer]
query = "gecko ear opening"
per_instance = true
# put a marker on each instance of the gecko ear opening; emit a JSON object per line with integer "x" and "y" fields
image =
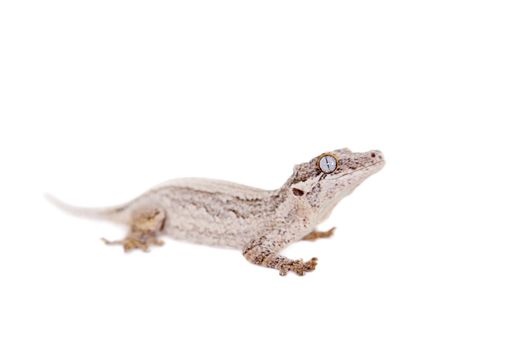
{"x": 297, "y": 192}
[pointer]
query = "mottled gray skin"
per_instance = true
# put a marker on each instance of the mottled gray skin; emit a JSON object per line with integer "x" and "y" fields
{"x": 256, "y": 221}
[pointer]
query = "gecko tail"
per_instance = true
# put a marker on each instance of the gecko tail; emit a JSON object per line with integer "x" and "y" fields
{"x": 116, "y": 214}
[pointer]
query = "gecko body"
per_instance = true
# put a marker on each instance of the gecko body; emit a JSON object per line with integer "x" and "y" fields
{"x": 259, "y": 222}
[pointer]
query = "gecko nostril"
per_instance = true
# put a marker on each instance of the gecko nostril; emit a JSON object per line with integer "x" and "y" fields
{"x": 373, "y": 155}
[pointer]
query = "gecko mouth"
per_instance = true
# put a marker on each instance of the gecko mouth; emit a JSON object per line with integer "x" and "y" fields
{"x": 381, "y": 163}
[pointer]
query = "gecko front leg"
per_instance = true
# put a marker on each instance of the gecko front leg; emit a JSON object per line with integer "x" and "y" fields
{"x": 264, "y": 251}
{"x": 312, "y": 236}
{"x": 145, "y": 228}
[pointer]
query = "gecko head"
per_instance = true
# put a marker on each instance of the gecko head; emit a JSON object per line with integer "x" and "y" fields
{"x": 329, "y": 177}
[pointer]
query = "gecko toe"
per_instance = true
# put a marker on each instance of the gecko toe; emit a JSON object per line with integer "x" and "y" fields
{"x": 299, "y": 267}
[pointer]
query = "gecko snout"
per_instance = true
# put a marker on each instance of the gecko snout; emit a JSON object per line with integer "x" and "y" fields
{"x": 376, "y": 155}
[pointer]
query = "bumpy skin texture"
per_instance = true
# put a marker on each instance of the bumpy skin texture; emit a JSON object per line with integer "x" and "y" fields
{"x": 259, "y": 222}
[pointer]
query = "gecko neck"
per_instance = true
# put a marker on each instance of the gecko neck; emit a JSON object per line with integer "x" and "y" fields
{"x": 288, "y": 200}
{"x": 320, "y": 201}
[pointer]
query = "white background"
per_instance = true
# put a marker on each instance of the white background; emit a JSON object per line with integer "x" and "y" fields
{"x": 101, "y": 100}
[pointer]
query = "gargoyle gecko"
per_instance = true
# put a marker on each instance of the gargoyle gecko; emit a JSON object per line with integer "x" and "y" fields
{"x": 258, "y": 222}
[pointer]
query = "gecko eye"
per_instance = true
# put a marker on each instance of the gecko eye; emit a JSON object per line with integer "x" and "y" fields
{"x": 327, "y": 163}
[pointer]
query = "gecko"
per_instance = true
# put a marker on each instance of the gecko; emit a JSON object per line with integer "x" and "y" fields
{"x": 260, "y": 223}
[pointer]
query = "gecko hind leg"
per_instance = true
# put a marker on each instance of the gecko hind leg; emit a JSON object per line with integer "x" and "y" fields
{"x": 312, "y": 236}
{"x": 144, "y": 230}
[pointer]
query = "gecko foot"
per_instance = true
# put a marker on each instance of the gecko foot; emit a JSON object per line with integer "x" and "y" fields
{"x": 130, "y": 243}
{"x": 298, "y": 266}
{"x": 312, "y": 236}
